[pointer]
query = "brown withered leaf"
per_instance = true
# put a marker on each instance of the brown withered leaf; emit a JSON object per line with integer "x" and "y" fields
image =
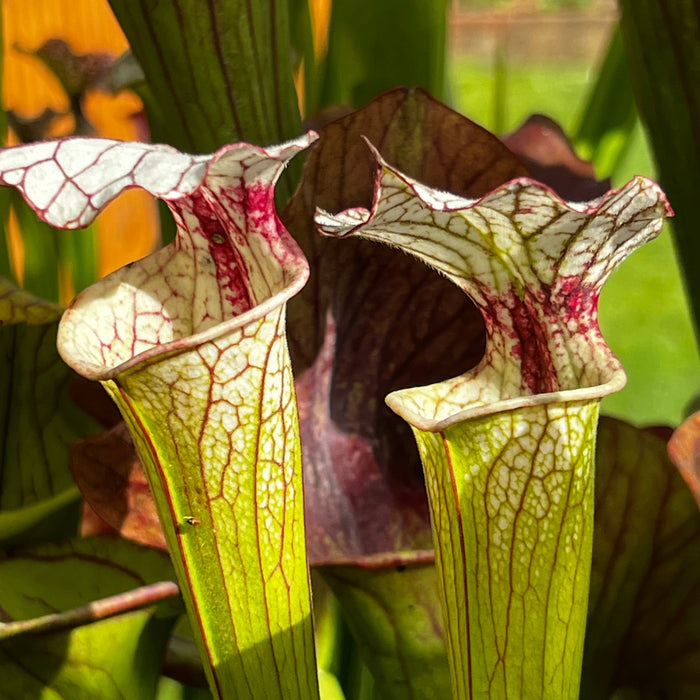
{"x": 684, "y": 451}
{"x": 372, "y": 320}
{"x": 112, "y": 481}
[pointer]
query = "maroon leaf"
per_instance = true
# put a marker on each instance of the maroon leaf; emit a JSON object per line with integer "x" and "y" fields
{"x": 94, "y": 400}
{"x": 547, "y": 151}
{"x": 372, "y": 320}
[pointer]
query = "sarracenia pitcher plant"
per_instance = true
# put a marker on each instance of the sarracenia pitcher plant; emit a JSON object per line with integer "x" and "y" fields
{"x": 508, "y": 448}
{"x": 190, "y": 343}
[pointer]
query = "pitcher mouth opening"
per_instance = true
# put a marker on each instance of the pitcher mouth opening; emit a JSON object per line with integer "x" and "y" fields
{"x": 425, "y": 407}
{"x": 90, "y": 363}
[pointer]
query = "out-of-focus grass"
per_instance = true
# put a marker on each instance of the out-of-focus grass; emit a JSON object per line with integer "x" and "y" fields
{"x": 556, "y": 91}
{"x": 643, "y": 310}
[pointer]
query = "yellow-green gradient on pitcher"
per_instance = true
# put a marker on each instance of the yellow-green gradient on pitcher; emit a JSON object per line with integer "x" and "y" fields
{"x": 190, "y": 342}
{"x": 508, "y": 447}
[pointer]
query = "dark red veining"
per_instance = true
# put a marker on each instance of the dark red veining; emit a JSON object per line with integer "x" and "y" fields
{"x": 578, "y": 301}
{"x": 231, "y": 271}
{"x": 536, "y": 315}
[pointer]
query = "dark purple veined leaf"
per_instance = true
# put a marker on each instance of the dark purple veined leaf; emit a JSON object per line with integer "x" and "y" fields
{"x": 548, "y": 153}
{"x": 643, "y": 634}
{"x": 371, "y": 320}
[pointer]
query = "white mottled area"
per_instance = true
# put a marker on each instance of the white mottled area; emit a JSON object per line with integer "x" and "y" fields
{"x": 129, "y": 312}
{"x": 69, "y": 180}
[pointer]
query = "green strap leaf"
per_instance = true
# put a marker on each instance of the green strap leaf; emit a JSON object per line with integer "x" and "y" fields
{"x": 110, "y": 648}
{"x": 407, "y": 38}
{"x": 220, "y": 73}
{"x": 664, "y": 55}
{"x": 608, "y": 119}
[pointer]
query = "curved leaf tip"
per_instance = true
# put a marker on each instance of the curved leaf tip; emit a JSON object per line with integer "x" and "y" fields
{"x": 68, "y": 181}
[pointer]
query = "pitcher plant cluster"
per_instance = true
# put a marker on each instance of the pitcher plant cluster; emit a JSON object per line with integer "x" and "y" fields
{"x": 391, "y": 380}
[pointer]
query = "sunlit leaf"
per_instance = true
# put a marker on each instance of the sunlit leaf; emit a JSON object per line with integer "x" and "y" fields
{"x": 329, "y": 687}
{"x": 190, "y": 344}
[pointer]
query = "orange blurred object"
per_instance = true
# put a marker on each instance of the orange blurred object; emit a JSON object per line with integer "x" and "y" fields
{"x": 128, "y": 228}
{"x": 320, "y": 11}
